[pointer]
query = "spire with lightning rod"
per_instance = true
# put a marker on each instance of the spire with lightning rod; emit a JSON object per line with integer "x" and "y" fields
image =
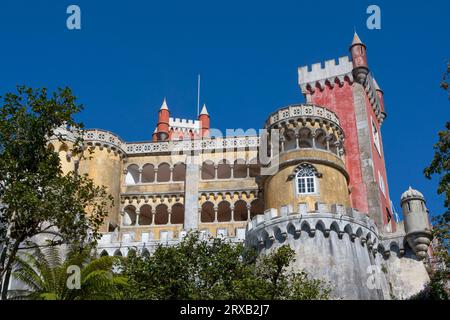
{"x": 198, "y": 95}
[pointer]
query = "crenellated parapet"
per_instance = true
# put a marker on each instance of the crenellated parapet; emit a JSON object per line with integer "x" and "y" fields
{"x": 264, "y": 230}
{"x": 371, "y": 88}
{"x": 317, "y": 76}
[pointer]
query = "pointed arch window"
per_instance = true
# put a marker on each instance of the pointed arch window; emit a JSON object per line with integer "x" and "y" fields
{"x": 305, "y": 180}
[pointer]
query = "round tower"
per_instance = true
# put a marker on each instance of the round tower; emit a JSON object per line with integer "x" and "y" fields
{"x": 162, "y": 128}
{"x": 204, "y": 122}
{"x": 104, "y": 167}
{"x": 311, "y": 170}
{"x": 359, "y": 59}
{"x": 417, "y": 227}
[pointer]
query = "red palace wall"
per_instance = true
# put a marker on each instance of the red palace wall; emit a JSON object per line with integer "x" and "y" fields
{"x": 340, "y": 100}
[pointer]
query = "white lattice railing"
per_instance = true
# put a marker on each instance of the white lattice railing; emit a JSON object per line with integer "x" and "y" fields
{"x": 102, "y": 136}
{"x": 304, "y": 110}
{"x": 193, "y": 145}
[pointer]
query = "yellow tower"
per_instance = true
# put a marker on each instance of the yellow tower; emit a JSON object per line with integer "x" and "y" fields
{"x": 102, "y": 162}
{"x": 311, "y": 170}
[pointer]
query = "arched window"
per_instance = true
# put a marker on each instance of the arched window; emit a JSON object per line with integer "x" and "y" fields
{"x": 145, "y": 215}
{"x": 179, "y": 172}
{"x": 148, "y": 173}
{"x": 333, "y": 144}
{"x": 256, "y": 207}
{"x": 290, "y": 140}
{"x": 321, "y": 139}
{"x": 223, "y": 170}
{"x": 177, "y": 214}
{"x": 254, "y": 169}
{"x": 224, "y": 212}
{"x": 240, "y": 210}
{"x": 129, "y": 216}
{"x": 132, "y": 176}
{"x": 240, "y": 169}
{"x": 305, "y": 138}
{"x": 161, "y": 214}
{"x": 306, "y": 180}
{"x": 208, "y": 214}
{"x": 163, "y": 172}
{"x": 208, "y": 171}
{"x": 104, "y": 254}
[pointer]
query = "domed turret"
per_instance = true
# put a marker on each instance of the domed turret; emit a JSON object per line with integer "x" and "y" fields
{"x": 417, "y": 227}
{"x": 411, "y": 194}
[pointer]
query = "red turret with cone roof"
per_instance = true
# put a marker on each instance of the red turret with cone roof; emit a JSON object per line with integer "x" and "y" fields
{"x": 204, "y": 122}
{"x": 162, "y": 129}
{"x": 359, "y": 59}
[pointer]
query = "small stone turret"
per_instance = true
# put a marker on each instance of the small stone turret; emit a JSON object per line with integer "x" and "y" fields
{"x": 417, "y": 227}
{"x": 359, "y": 58}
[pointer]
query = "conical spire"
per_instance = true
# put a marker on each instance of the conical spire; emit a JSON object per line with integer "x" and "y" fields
{"x": 164, "y": 105}
{"x": 204, "y": 110}
{"x": 356, "y": 39}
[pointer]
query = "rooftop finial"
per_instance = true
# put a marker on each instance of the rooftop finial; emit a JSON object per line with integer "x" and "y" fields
{"x": 204, "y": 110}
{"x": 356, "y": 39}
{"x": 164, "y": 105}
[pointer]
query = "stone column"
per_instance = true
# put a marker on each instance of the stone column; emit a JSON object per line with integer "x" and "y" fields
{"x": 232, "y": 212}
{"x": 249, "y": 206}
{"x": 215, "y": 214}
{"x": 140, "y": 175}
{"x": 152, "y": 220}
{"x": 191, "y": 208}
{"x": 171, "y": 174}
{"x": 169, "y": 215}
{"x": 232, "y": 170}
{"x": 137, "y": 217}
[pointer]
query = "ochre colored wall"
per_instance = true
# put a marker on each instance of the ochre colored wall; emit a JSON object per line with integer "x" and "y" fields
{"x": 279, "y": 190}
{"x": 105, "y": 168}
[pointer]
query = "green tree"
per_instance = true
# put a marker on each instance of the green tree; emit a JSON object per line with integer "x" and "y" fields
{"x": 216, "y": 269}
{"x": 36, "y": 198}
{"x": 440, "y": 166}
{"x": 45, "y": 273}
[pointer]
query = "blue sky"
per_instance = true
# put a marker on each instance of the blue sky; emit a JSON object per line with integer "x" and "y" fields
{"x": 130, "y": 54}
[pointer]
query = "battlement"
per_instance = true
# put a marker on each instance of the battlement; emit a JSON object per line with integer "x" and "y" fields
{"x": 184, "y": 124}
{"x": 274, "y": 225}
{"x": 318, "y": 74}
